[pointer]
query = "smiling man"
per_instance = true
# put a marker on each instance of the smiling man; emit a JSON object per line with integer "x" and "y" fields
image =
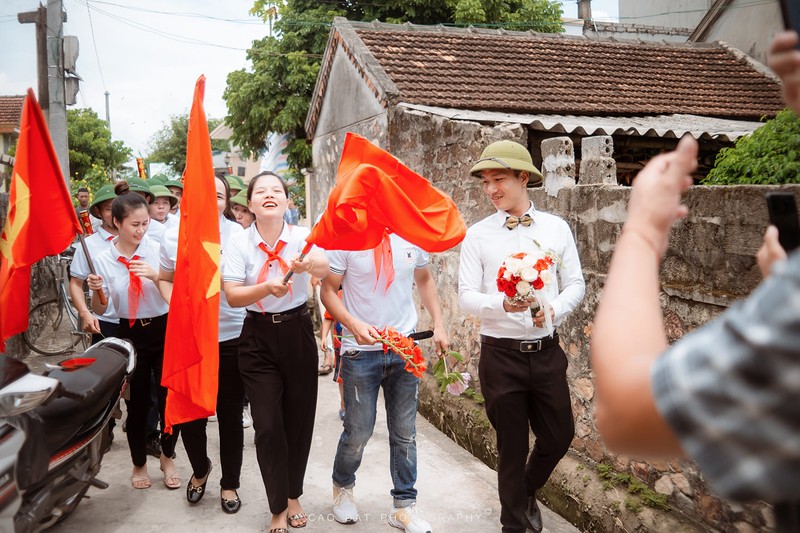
{"x": 522, "y": 368}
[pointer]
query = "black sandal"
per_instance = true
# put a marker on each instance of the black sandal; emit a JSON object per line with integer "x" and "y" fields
{"x": 231, "y": 506}
{"x": 195, "y": 493}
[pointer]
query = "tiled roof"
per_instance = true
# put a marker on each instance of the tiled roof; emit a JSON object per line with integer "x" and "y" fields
{"x": 525, "y": 72}
{"x": 570, "y": 75}
{"x": 11, "y": 110}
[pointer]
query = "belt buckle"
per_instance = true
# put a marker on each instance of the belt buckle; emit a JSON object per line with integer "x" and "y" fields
{"x": 276, "y": 316}
{"x": 145, "y": 321}
{"x": 530, "y": 346}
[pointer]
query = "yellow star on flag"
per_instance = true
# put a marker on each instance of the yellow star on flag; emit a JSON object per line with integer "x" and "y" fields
{"x": 213, "y": 251}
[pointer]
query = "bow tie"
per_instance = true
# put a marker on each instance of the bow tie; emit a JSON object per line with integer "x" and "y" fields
{"x": 513, "y": 222}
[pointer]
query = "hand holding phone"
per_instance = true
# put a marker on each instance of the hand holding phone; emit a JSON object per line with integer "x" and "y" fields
{"x": 790, "y": 9}
{"x": 782, "y": 209}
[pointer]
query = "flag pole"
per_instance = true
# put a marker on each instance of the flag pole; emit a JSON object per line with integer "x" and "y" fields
{"x": 100, "y": 295}
{"x": 303, "y": 253}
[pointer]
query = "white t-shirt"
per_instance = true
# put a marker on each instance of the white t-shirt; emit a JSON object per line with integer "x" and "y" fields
{"x": 79, "y": 268}
{"x": 369, "y": 301}
{"x": 116, "y": 280}
{"x": 230, "y": 318}
{"x": 244, "y": 259}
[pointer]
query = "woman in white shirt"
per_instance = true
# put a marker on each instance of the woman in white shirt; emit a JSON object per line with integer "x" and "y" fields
{"x": 127, "y": 274}
{"x": 277, "y": 347}
{"x": 230, "y": 395}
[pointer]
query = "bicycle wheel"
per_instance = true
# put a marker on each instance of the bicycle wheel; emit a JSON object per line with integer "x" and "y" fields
{"x": 56, "y": 334}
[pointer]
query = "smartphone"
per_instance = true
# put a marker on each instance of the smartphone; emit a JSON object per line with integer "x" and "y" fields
{"x": 782, "y": 209}
{"x": 790, "y": 9}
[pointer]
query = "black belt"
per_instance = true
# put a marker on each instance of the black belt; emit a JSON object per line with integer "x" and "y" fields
{"x": 277, "y": 318}
{"x": 522, "y": 345}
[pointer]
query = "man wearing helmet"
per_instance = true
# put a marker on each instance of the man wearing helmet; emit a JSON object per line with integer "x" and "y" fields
{"x": 522, "y": 366}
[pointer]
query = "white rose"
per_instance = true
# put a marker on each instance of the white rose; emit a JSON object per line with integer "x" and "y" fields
{"x": 507, "y": 274}
{"x": 523, "y": 288}
{"x": 513, "y": 265}
{"x": 546, "y": 276}
{"x": 528, "y": 260}
{"x": 529, "y": 274}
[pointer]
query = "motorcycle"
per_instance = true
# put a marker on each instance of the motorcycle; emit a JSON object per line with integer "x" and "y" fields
{"x": 54, "y": 431}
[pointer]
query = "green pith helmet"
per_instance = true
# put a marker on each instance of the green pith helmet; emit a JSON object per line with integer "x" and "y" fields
{"x": 235, "y": 182}
{"x": 240, "y": 198}
{"x": 174, "y": 183}
{"x": 139, "y": 185}
{"x": 507, "y": 154}
{"x": 161, "y": 191}
{"x": 106, "y": 192}
{"x": 158, "y": 179}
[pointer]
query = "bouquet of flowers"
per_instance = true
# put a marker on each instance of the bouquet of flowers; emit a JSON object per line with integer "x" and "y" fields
{"x": 406, "y": 348}
{"x": 453, "y": 382}
{"x": 522, "y": 277}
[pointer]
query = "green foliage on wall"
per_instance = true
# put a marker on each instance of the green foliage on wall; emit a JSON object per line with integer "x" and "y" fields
{"x": 768, "y": 156}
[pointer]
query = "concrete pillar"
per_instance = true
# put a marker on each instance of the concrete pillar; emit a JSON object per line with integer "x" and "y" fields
{"x": 558, "y": 164}
{"x": 597, "y": 164}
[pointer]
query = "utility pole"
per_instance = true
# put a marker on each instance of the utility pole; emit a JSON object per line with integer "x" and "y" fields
{"x": 55, "y": 79}
{"x": 585, "y": 9}
{"x": 108, "y": 116}
{"x": 39, "y": 17}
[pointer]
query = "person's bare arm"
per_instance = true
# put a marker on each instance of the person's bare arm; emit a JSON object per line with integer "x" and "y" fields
{"x": 165, "y": 284}
{"x": 89, "y": 321}
{"x": 241, "y": 295}
{"x": 784, "y": 59}
{"x": 365, "y": 334}
{"x": 628, "y": 331}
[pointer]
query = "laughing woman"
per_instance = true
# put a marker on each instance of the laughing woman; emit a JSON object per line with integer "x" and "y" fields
{"x": 230, "y": 395}
{"x": 277, "y": 347}
{"x": 127, "y": 273}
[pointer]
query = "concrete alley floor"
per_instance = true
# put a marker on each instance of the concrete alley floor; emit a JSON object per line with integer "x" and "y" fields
{"x": 457, "y": 493}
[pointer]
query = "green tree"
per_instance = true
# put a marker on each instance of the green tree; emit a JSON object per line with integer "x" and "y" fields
{"x": 90, "y": 146}
{"x": 168, "y": 145}
{"x": 274, "y": 96}
{"x": 768, "y": 156}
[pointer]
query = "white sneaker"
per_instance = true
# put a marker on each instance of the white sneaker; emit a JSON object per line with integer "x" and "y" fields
{"x": 344, "y": 506}
{"x": 247, "y": 420}
{"x": 409, "y": 520}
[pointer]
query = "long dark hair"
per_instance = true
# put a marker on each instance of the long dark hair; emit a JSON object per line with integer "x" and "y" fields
{"x": 252, "y": 184}
{"x": 227, "y": 212}
{"x": 125, "y": 202}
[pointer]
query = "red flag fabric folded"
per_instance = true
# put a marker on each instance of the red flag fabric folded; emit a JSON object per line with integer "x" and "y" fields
{"x": 191, "y": 350}
{"x": 375, "y": 192}
{"x": 40, "y": 222}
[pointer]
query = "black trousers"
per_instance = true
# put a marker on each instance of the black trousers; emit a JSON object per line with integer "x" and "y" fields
{"x": 525, "y": 389}
{"x": 147, "y": 336}
{"x": 230, "y": 402}
{"x": 107, "y": 329}
{"x": 278, "y": 363}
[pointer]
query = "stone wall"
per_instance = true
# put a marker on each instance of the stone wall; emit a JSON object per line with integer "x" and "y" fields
{"x": 710, "y": 264}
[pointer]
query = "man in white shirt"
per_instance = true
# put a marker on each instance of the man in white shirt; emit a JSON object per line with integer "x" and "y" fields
{"x": 522, "y": 368}
{"x": 372, "y": 300}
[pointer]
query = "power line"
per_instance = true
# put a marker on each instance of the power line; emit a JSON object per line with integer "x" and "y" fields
{"x": 94, "y": 42}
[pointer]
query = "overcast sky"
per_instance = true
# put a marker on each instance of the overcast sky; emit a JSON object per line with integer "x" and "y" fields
{"x": 137, "y": 50}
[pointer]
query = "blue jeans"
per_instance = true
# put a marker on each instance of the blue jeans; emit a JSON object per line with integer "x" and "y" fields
{"x": 363, "y": 373}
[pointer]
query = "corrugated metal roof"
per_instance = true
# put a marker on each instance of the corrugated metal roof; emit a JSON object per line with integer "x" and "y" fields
{"x": 667, "y": 126}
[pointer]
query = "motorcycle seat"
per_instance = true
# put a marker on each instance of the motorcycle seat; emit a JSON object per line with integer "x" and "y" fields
{"x": 65, "y": 418}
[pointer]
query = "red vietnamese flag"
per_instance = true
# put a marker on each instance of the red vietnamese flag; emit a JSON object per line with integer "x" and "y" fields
{"x": 41, "y": 220}
{"x": 191, "y": 350}
{"x": 374, "y": 193}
